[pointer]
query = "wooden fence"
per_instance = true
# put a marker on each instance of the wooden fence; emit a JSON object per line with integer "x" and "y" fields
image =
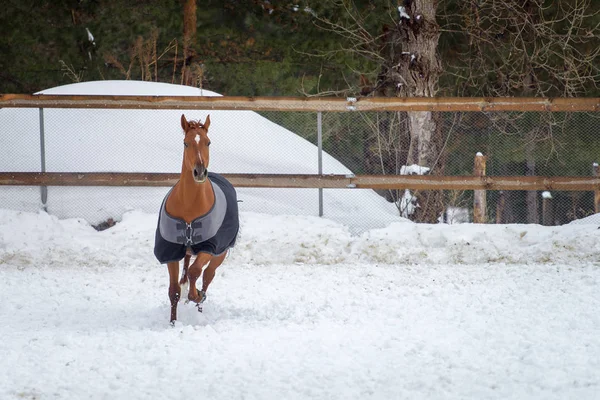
{"x": 591, "y": 104}
{"x": 478, "y": 182}
{"x": 419, "y": 182}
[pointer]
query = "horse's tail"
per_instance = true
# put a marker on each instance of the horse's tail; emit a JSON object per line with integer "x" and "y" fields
{"x": 184, "y": 277}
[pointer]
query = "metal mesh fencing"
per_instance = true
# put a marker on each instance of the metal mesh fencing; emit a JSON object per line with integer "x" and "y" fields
{"x": 377, "y": 143}
{"x": 514, "y": 144}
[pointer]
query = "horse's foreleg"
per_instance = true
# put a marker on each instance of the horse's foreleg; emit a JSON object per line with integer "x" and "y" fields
{"x": 174, "y": 288}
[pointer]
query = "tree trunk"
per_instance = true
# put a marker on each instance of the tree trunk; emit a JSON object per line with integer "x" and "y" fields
{"x": 422, "y": 128}
{"x": 412, "y": 69}
{"x": 530, "y": 140}
{"x": 532, "y": 195}
{"x": 500, "y": 207}
{"x": 547, "y": 209}
{"x": 479, "y": 196}
{"x": 190, "y": 71}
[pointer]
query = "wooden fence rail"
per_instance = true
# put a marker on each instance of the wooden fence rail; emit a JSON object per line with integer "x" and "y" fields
{"x": 301, "y": 103}
{"x": 427, "y": 182}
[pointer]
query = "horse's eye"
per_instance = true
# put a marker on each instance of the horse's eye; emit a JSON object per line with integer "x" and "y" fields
{"x": 185, "y": 145}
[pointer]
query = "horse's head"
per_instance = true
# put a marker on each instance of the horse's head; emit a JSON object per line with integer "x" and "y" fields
{"x": 195, "y": 152}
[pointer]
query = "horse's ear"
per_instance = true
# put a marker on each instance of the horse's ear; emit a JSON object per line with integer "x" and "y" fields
{"x": 207, "y": 122}
{"x": 184, "y": 123}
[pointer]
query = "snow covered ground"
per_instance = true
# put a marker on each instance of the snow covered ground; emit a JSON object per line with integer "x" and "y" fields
{"x": 302, "y": 309}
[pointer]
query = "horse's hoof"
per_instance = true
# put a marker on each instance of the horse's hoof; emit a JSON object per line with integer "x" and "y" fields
{"x": 202, "y": 295}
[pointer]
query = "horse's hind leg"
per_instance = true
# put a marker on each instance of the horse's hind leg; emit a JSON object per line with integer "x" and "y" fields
{"x": 209, "y": 272}
{"x": 194, "y": 273}
{"x": 174, "y": 288}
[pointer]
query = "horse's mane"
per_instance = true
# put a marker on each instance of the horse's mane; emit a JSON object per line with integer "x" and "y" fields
{"x": 196, "y": 124}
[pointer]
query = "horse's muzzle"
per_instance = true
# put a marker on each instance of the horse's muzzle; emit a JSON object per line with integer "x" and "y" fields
{"x": 200, "y": 173}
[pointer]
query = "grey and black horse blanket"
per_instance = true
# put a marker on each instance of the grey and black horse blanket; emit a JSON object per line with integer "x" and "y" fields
{"x": 212, "y": 233}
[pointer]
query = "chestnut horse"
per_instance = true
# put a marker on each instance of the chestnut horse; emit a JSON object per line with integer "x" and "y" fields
{"x": 198, "y": 216}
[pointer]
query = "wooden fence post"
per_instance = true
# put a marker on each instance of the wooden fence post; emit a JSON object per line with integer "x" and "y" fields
{"x": 596, "y": 173}
{"x": 479, "y": 196}
{"x": 547, "y": 211}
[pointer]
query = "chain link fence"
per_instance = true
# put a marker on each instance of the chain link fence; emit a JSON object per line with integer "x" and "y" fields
{"x": 514, "y": 144}
{"x": 377, "y": 143}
